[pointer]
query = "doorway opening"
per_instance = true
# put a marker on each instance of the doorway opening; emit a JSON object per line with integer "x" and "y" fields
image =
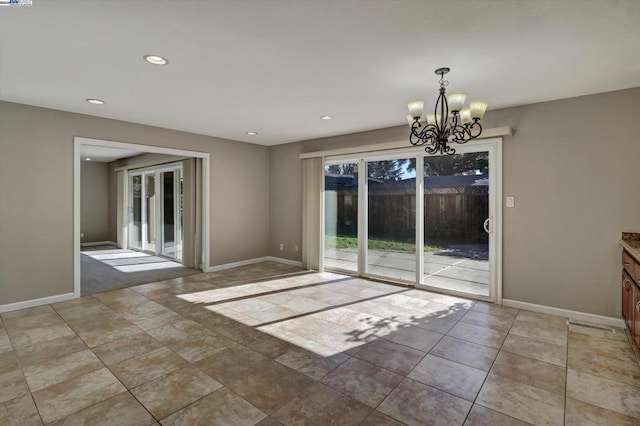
{"x": 158, "y": 215}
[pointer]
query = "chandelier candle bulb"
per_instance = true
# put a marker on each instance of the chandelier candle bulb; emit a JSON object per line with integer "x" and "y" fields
{"x": 456, "y": 101}
{"x": 416, "y": 108}
{"x": 478, "y": 109}
{"x": 465, "y": 116}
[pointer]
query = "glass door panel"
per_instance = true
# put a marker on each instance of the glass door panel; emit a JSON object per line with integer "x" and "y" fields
{"x": 391, "y": 245}
{"x": 456, "y": 222}
{"x": 135, "y": 232}
{"x": 150, "y": 213}
{"x": 341, "y": 217}
{"x": 179, "y": 219}
{"x": 168, "y": 213}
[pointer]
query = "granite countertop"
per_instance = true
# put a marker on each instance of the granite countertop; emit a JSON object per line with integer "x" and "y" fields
{"x": 631, "y": 242}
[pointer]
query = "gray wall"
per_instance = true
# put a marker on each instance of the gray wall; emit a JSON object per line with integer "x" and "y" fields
{"x": 36, "y": 194}
{"x": 573, "y": 167}
{"x": 94, "y": 201}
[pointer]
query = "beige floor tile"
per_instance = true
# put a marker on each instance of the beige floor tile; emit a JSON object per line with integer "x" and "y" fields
{"x": 464, "y": 352}
{"x": 415, "y": 337}
{"x": 521, "y": 401}
{"x": 495, "y": 310}
{"x": 321, "y": 405}
{"x": 22, "y": 339}
{"x": 457, "y": 379}
{"x": 480, "y": 335}
{"x": 414, "y": 403}
{"x": 13, "y": 384}
{"x": 392, "y": 356}
{"x": 376, "y": 418}
{"x": 604, "y": 393}
{"x": 536, "y": 349}
{"x": 624, "y": 371}
{"x": 362, "y": 381}
{"x": 168, "y": 394}
{"x": 99, "y": 333}
{"x": 146, "y": 367}
{"x": 60, "y": 400}
{"x": 52, "y": 372}
{"x": 481, "y": 416}
{"x": 50, "y": 349}
{"x": 121, "y": 410}
{"x": 5, "y": 343}
{"x": 488, "y": 321}
{"x": 582, "y": 414}
{"x": 539, "y": 374}
{"x": 601, "y": 345}
{"x": 8, "y": 362}
{"x": 311, "y": 364}
{"x": 19, "y": 411}
{"x": 20, "y": 314}
{"x": 555, "y": 336}
{"x": 222, "y": 405}
{"x": 542, "y": 320}
{"x": 128, "y": 347}
{"x": 261, "y": 381}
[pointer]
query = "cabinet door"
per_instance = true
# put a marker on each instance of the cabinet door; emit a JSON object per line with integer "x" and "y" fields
{"x": 627, "y": 300}
{"x": 635, "y": 330}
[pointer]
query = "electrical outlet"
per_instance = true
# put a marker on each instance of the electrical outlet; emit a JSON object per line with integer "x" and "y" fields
{"x": 511, "y": 202}
{"x": 295, "y": 248}
{"x": 82, "y": 235}
{"x": 281, "y": 246}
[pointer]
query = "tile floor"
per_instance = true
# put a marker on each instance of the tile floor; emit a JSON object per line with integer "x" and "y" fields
{"x": 271, "y": 344}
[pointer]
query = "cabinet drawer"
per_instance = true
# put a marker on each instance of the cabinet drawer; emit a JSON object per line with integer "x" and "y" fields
{"x": 629, "y": 265}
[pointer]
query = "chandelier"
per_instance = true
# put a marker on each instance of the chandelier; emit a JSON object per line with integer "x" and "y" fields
{"x": 450, "y": 122}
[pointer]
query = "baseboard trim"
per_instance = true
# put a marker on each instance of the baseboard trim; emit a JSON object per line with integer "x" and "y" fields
{"x": 285, "y": 261}
{"x": 36, "y": 302}
{"x": 575, "y": 315}
{"x": 251, "y": 262}
{"x": 99, "y": 243}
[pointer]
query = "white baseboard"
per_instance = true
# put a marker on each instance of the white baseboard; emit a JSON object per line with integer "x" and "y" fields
{"x": 285, "y": 261}
{"x": 36, "y": 302}
{"x": 574, "y": 315}
{"x": 99, "y": 243}
{"x": 251, "y": 262}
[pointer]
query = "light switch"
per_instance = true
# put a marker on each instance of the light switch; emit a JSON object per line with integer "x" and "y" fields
{"x": 511, "y": 202}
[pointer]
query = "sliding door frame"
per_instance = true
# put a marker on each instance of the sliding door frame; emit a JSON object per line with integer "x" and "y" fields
{"x": 493, "y": 146}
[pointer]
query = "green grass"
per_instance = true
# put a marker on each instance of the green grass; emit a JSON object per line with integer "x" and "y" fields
{"x": 332, "y": 241}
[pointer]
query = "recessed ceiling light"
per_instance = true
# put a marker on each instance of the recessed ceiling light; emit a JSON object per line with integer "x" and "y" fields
{"x": 87, "y": 159}
{"x": 155, "y": 59}
{"x": 95, "y": 101}
{"x": 326, "y": 117}
{"x": 252, "y": 133}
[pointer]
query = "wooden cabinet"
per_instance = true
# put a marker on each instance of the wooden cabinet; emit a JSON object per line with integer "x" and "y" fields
{"x": 631, "y": 297}
{"x": 627, "y": 300}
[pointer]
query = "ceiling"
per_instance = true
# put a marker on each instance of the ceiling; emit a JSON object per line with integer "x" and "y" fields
{"x": 103, "y": 154}
{"x": 276, "y": 66}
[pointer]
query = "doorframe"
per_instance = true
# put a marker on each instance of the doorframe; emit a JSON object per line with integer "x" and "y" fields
{"x": 493, "y": 146}
{"x": 79, "y": 142}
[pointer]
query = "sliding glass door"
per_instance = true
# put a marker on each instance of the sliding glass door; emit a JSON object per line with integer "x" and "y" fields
{"x": 445, "y": 239}
{"x": 457, "y": 222}
{"x": 391, "y": 214}
{"x": 155, "y": 206}
{"x": 341, "y": 217}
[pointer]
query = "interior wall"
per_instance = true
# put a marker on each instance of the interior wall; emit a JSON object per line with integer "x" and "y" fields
{"x": 36, "y": 194}
{"x": 572, "y": 166}
{"x": 94, "y": 201}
